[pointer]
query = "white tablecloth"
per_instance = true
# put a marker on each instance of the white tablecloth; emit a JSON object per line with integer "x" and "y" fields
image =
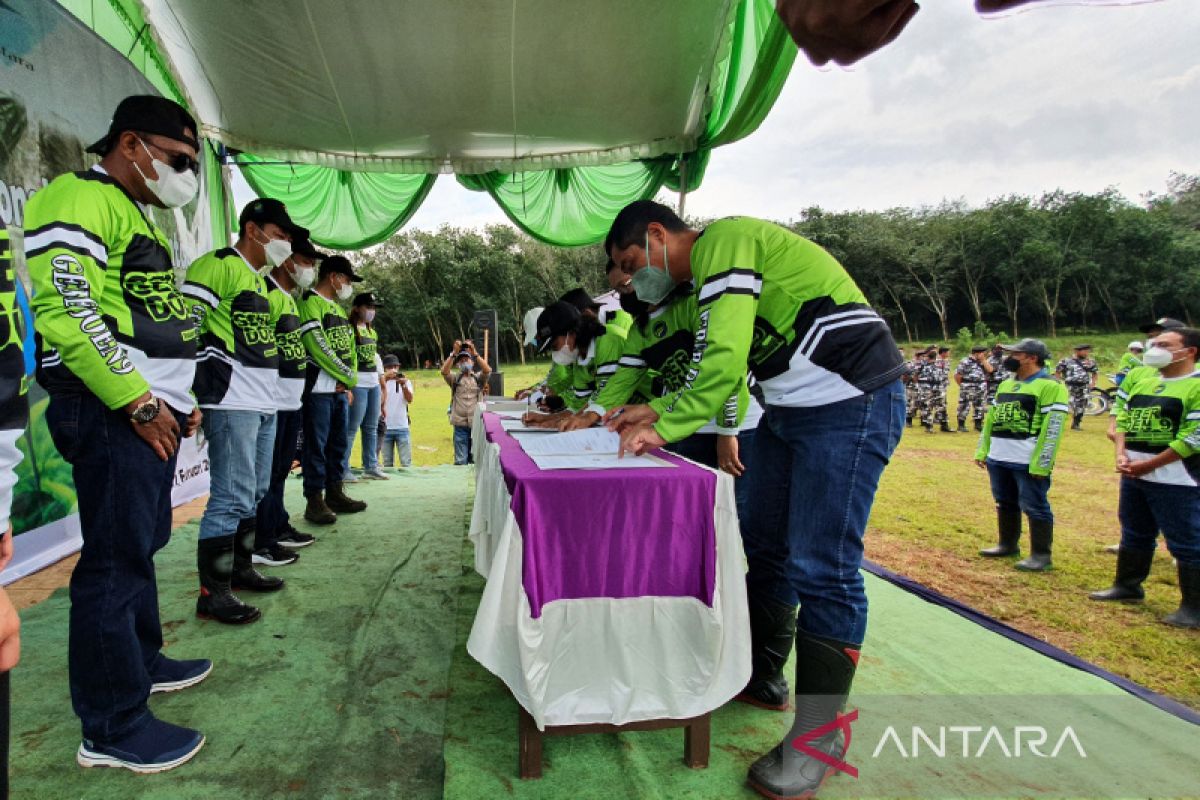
{"x": 605, "y": 660}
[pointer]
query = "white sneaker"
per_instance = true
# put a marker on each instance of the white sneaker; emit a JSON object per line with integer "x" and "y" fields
{"x": 349, "y": 477}
{"x": 375, "y": 473}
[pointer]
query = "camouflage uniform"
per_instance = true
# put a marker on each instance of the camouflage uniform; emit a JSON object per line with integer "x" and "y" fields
{"x": 999, "y": 375}
{"x": 1077, "y": 374}
{"x": 929, "y": 382}
{"x": 943, "y": 367}
{"x": 909, "y": 377}
{"x": 972, "y": 392}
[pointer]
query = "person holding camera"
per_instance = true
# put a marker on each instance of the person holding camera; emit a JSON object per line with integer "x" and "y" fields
{"x": 467, "y": 387}
{"x": 396, "y": 438}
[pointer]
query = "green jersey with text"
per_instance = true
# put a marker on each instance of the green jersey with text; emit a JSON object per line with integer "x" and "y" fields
{"x": 238, "y": 365}
{"x": 292, "y": 358}
{"x": 1121, "y": 395}
{"x": 776, "y": 303}
{"x": 329, "y": 339}
{"x": 366, "y": 347}
{"x": 1159, "y": 414}
{"x": 659, "y": 348}
{"x": 593, "y": 369}
{"x": 109, "y": 318}
{"x": 1024, "y": 425}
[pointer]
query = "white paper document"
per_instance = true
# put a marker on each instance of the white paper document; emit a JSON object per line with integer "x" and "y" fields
{"x": 516, "y": 426}
{"x": 591, "y": 448}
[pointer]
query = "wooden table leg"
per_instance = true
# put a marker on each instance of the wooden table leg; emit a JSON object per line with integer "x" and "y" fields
{"x": 696, "y": 740}
{"x": 530, "y": 746}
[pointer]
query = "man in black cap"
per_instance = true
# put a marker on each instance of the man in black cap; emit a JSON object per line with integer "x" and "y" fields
{"x": 116, "y": 353}
{"x": 1079, "y": 374}
{"x": 332, "y": 373}
{"x": 237, "y": 376}
{"x": 971, "y": 375}
{"x": 1018, "y": 447}
{"x": 275, "y": 539}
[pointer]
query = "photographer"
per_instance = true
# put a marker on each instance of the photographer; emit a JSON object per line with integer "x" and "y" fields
{"x": 396, "y": 438}
{"x": 467, "y": 388}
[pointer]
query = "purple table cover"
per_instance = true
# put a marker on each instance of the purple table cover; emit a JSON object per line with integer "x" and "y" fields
{"x": 610, "y": 533}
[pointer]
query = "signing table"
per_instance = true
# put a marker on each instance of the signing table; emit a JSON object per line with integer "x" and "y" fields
{"x": 613, "y": 597}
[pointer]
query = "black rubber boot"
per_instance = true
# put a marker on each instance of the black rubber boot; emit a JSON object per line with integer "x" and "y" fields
{"x": 1041, "y": 539}
{"x": 1075, "y": 422}
{"x": 946, "y": 428}
{"x": 824, "y": 672}
{"x": 928, "y": 426}
{"x": 772, "y": 629}
{"x": 1188, "y": 613}
{"x": 214, "y": 561}
{"x": 979, "y": 425}
{"x": 908, "y": 422}
{"x": 317, "y": 512}
{"x": 1008, "y": 523}
{"x": 245, "y": 577}
{"x": 339, "y": 503}
{"x": 1133, "y": 566}
{"x": 962, "y": 426}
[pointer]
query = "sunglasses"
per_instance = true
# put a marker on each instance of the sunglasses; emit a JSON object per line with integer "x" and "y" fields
{"x": 177, "y": 161}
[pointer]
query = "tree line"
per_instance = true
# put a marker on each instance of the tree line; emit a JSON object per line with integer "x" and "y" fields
{"x": 1018, "y": 264}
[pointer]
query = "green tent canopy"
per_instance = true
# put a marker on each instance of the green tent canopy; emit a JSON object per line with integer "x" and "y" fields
{"x": 562, "y": 110}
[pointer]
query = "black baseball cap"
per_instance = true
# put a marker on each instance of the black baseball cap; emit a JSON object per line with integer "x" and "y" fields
{"x": 391, "y": 361}
{"x": 147, "y": 113}
{"x": 1079, "y": 347}
{"x": 304, "y": 247}
{"x": 943, "y": 349}
{"x": 1166, "y": 323}
{"x": 1035, "y": 347}
{"x": 581, "y": 300}
{"x": 558, "y": 319}
{"x": 268, "y": 210}
{"x": 366, "y": 299}
{"x": 979, "y": 349}
{"x": 337, "y": 265}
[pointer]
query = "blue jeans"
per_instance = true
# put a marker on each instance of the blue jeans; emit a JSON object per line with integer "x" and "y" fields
{"x": 240, "y": 446}
{"x": 1014, "y": 488}
{"x": 462, "y": 445}
{"x": 272, "y": 514}
{"x": 813, "y": 482}
{"x": 324, "y": 441}
{"x": 397, "y": 440}
{"x": 124, "y": 495}
{"x": 702, "y": 448}
{"x": 364, "y": 415}
{"x": 1146, "y": 508}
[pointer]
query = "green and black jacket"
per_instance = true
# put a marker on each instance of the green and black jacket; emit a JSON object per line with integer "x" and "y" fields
{"x": 1159, "y": 414}
{"x": 14, "y": 411}
{"x": 108, "y": 315}
{"x": 1024, "y": 425}
{"x": 329, "y": 339}
{"x": 238, "y": 364}
{"x": 292, "y": 357}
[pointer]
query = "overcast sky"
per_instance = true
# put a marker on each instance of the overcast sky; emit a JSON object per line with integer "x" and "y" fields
{"x": 959, "y": 106}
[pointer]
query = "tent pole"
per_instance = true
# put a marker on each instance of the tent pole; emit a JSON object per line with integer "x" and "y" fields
{"x": 682, "y": 184}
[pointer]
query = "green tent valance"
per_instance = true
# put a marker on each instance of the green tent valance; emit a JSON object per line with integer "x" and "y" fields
{"x": 343, "y": 210}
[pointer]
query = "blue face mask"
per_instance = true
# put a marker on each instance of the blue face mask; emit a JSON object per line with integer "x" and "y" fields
{"x": 651, "y": 284}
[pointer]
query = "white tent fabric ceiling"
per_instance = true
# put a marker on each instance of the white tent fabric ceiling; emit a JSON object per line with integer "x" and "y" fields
{"x": 426, "y": 86}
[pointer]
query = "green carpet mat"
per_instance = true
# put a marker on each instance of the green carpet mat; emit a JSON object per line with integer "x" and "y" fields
{"x": 339, "y": 691}
{"x": 357, "y": 683}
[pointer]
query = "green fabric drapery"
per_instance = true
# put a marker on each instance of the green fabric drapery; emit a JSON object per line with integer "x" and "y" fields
{"x": 566, "y": 206}
{"x": 343, "y": 210}
{"x": 576, "y": 206}
{"x": 569, "y": 207}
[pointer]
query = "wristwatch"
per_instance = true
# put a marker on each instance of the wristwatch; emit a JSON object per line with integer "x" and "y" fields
{"x": 145, "y": 412}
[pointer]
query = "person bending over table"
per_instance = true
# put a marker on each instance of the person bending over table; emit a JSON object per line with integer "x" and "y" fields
{"x": 777, "y": 304}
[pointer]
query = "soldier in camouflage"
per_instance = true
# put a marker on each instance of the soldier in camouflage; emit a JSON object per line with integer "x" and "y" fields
{"x": 1079, "y": 374}
{"x": 942, "y": 361}
{"x": 908, "y": 378}
{"x": 972, "y": 375}
{"x": 928, "y": 377}
{"x": 998, "y": 374}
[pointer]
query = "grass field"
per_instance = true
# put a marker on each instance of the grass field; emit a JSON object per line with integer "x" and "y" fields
{"x": 934, "y": 511}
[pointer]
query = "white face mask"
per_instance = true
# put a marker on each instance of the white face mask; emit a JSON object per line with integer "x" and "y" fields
{"x": 277, "y": 252}
{"x": 1159, "y": 357}
{"x": 344, "y": 291}
{"x": 173, "y": 189}
{"x": 564, "y": 356}
{"x": 304, "y": 276}
{"x": 369, "y": 315}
